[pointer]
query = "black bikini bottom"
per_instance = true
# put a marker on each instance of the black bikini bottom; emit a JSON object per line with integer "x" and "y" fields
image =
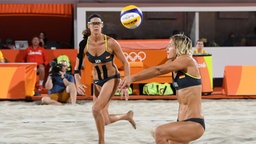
{"x": 197, "y": 120}
{"x": 102, "y": 82}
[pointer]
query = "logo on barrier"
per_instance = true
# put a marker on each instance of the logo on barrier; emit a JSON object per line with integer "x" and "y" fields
{"x": 202, "y": 65}
{"x": 133, "y": 56}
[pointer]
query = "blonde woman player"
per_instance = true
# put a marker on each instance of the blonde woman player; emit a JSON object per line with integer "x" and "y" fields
{"x": 100, "y": 51}
{"x": 187, "y": 82}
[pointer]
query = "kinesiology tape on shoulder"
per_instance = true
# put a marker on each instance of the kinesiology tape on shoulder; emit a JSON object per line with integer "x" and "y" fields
{"x": 80, "y": 54}
{"x": 81, "y": 58}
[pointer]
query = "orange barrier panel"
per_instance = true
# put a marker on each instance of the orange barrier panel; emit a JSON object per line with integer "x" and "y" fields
{"x": 152, "y": 57}
{"x": 239, "y": 80}
{"x": 153, "y": 44}
{"x": 15, "y": 56}
{"x": 18, "y": 80}
{"x": 71, "y": 53}
{"x": 205, "y": 69}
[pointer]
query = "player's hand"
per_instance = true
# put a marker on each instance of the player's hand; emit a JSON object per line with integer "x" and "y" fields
{"x": 124, "y": 93}
{"x": 61, "y": 73}
{"x": 125, "y": 83}
{"x": 80, "y": 89}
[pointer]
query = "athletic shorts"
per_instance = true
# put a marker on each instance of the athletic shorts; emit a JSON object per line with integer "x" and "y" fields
{"x": 61, "y": 97}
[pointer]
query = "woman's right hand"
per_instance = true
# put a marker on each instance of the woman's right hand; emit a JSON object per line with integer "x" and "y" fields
{"x": 80, "y": 89}
{"x": 79, "y": 86}
{"x": 125, "y": 83}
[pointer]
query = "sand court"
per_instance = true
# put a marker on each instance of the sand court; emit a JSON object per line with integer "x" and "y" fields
{"x": 229, "y": 121}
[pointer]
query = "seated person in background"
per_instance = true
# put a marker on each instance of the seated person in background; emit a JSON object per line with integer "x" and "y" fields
{"x": 199, "y": 47}
{"x": 60, "y": 85}
{"x": 36, "y": 53}
{"x": 42, "y": 39}
{"x": 1, "y": 44}
{"x": 9, "y": 43}
{"x": 1, "y": 57}
{"x": 231, "y": 40}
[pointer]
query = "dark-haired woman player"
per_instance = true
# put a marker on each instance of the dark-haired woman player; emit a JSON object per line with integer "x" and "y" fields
{"x": 100, "y": 51}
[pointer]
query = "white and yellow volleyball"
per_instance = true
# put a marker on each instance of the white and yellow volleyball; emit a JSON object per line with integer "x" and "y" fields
{"x": 131, "y": 17}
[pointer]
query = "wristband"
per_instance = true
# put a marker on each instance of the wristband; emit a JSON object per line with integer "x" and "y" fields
{"x": 77, "y": 71}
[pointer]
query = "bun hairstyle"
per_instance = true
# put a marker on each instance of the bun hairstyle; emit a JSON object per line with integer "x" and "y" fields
{"x": 86, "y": 33}
{"x": 183, "y": 44}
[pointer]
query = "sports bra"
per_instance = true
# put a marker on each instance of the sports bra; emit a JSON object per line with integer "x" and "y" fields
{"x": 103, "y": 58}
{"x": 184, "y": 80}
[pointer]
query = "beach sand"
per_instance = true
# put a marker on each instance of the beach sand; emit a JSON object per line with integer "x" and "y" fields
{"x": 228, "y": 121}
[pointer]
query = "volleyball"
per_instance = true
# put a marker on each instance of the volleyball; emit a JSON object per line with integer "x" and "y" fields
{"x": 131, "y": 17}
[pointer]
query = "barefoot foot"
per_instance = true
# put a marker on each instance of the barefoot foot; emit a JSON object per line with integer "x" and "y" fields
{"x": 130, "y": 119}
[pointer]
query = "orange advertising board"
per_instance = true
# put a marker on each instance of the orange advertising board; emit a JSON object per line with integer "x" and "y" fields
{"x": 205, "y": 68}
{"x": 239, "y": 80}
{"x": 17, "y": 80}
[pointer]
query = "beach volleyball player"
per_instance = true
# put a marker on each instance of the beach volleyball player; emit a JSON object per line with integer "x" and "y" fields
{"x": 100, "y": 51}
{"x": 187, "y": 82}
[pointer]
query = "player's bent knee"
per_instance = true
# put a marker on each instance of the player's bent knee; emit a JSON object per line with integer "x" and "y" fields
{"x": 96, "y": 109}
{"x": 160, "y": 134}
{"x": 71, "y": 88}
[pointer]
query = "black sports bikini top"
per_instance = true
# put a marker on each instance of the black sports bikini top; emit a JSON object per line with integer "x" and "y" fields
{"x": 103, "y": 58}
{"x": 183, "y": 80}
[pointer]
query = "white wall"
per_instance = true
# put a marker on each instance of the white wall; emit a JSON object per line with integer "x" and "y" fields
{"x": 223, "y": 56}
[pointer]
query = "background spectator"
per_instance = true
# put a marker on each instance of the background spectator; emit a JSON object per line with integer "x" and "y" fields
{"x": 9, "y": 43}
{"x": 36, "y": 53}
{"x": 231, "y": 40}
{"x": 251, "y": 38}
{"x": 200, "y": 47}
{"x": 1, "y": 44}
{"x": 42, "y": 39}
